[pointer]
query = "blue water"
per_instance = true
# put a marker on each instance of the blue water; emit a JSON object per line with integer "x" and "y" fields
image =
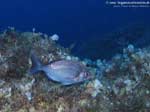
{"x": 75, "y": 21}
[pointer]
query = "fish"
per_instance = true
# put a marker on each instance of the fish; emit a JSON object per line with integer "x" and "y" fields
{"x": 66, "y": 72}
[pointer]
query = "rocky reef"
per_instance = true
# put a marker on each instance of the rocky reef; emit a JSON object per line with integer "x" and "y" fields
{"x": 121, "y": 84}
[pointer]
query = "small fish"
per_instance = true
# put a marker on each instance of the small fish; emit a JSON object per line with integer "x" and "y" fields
{"x": 66, "y": 72}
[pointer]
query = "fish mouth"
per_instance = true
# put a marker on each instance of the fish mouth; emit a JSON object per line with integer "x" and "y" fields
{"x": 90, "y": 77}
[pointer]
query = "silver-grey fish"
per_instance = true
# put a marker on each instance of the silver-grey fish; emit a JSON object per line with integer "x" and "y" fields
{"x": 66, "y": 72}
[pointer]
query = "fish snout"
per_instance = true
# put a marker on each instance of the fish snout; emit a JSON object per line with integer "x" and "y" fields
{"x": 89, "y": 76}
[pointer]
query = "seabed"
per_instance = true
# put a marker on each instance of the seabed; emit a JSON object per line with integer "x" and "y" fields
{"x": 121, "y": 84}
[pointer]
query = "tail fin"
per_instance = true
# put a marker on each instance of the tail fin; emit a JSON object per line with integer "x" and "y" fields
{"x": 36, "y": 64}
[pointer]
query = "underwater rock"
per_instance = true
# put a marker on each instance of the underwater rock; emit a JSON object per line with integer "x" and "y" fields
{"x": 55, "y": 37}
{"x": 94, "y": 87}
{"x": 129, "y": 85}
{"x": 121, "y": 84}
{"x": 5, "y": 92}
{"x": 25, "y": 87}
{"x": 2, "y": 82}
{"x": 130, "y": 49}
